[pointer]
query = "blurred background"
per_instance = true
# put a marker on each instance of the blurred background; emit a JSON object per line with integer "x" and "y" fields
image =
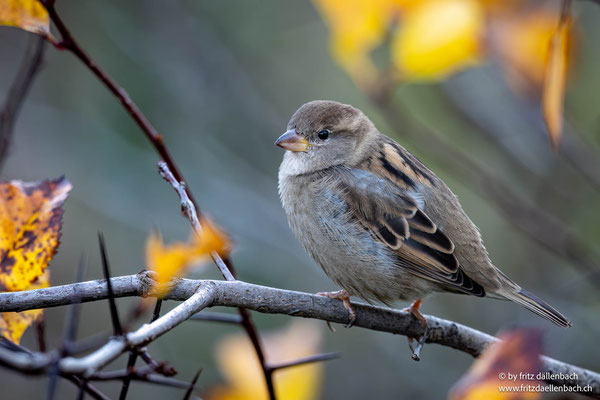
{"x": 220, "y": 80}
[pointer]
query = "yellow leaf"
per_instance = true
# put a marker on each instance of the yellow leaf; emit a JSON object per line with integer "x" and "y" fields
{"x": 555, "y": 80}
{"x": 514, "y": 362}
{"x": 14, "y": 324}
{"x": 175, "y": 259}
{"x": 30, "y": 222}
{"x": 438, "y": 38}
{"x": 238, "y": 363}
{"x": 29, "y": 15}
{"x": 357, "y": 27}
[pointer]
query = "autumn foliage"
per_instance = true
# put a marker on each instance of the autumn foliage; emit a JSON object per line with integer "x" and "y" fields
{"x": 174, "y": 260}
{"x": 30, "y": 221}
{"x": 420, "y": 41}
{"x": 429, "y": 40}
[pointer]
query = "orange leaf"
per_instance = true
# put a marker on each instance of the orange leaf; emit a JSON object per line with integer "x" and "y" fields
{"x": 505, "y": 370}
{"x": 238, "y": 363}
{"x": 555, "y": 78}
{"x": 29, "y": 15}
{"x": 30, "y": 222}
{"x": 175, "y": 259}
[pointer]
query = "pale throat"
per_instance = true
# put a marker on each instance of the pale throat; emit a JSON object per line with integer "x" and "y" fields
{"x": 295, "y": 164}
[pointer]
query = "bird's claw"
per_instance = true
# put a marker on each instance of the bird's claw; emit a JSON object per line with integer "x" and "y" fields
{"x": 416, "y": 349}
{"x": 345, "y": 298}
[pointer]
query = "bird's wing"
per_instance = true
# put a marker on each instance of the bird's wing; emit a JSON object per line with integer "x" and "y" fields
{"x": 394, "y": 218}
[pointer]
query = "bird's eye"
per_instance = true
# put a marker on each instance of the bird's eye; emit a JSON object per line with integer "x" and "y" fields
{"x": 324, "y": 134}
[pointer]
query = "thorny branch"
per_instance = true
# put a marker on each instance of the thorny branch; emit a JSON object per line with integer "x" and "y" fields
{"x": 199, "y": 294}
{"x": 224, "y": 264}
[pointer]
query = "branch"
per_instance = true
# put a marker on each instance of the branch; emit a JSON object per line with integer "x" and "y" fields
{"x": 198, "y": 294}
{"x": 195, "y": 300}
{"x": 188, "y": 209}
{"x": 69, "y": 43}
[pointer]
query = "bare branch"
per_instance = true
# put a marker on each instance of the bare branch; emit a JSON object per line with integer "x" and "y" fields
{"x": 141, "y": 374}
{"x": 206, "y": 293}
{"x": 87, "y": 365}
{"x": 189, "y": 211}
{"x": 225, "y": 265}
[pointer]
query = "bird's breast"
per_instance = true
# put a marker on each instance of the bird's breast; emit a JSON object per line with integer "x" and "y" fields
{"x": 320, "y": 219}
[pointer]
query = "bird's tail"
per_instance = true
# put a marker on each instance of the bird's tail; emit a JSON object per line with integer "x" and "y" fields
{"x": 538, "y": 306}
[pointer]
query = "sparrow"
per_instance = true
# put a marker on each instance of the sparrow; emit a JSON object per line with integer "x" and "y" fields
{"x": 380, "y": 223}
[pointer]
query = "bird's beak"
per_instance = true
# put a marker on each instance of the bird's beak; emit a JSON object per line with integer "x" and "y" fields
{"x": 292, "y": 141}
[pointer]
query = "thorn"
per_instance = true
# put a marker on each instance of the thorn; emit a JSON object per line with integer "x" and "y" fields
{"x": 188, "y": 393}
{"x": 81, "y": 392}
{"x": 127, "y": 380}
{"x": 52, "y": 382}
{"x": 114, "y": 314}
{"x": 156, "y": 312}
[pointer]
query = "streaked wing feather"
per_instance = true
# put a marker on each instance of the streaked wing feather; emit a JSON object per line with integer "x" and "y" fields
{"x": 421, "y": 253}
{"x": 393, "y": 218}
{"x": 422, "y": 222}
{"x": 437, "y": 240}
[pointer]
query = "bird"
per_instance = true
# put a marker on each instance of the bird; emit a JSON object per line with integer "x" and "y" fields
{"x": 382, "y": 225}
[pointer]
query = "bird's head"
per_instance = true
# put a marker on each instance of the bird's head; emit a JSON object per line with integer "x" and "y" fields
{"x": 322, "y": 134}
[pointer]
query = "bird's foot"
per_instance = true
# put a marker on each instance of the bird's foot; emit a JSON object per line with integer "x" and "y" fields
{"x": 345, "y": 297}
{"x": 416, "y": 349}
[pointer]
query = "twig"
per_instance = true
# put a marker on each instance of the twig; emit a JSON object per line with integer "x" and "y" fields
{"x": 133, "y": 354}
{"x": 204, "y": 293}
{"x": 226, "y": 269}
{"x": 305, "y": 360}
{"x": 162, "y": 367}
{"x": 68, "y": 42}
{"x": 85, "y": 387}
{"x": 30, "y": 66}
{"x": 189, "y": 211}
{"x": 89, "y": 364}
{"x": 141, "y": 374}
